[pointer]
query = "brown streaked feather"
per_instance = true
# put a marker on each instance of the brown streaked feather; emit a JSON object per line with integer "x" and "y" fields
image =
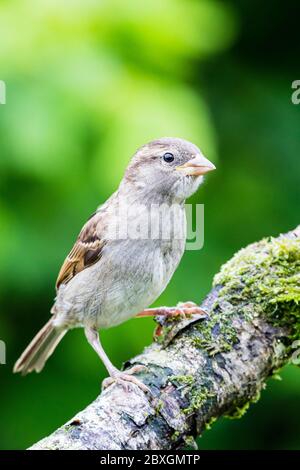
{"x": 85, "y": 252}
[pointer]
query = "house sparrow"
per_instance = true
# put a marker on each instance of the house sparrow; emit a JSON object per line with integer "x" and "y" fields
{"x": 107, "y": 279}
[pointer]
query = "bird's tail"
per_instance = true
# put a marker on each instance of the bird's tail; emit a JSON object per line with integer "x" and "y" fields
{"x": 40, "y": 348}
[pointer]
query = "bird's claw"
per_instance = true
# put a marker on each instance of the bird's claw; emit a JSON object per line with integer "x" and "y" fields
{"x": 191, "y": 308}
{"x": 125, "y": 379}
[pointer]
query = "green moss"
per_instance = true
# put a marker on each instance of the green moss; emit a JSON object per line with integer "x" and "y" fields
{"x": 161, "y": 338}
{"x": 190, "y": 442}
{"x": 186, "y": 380}
{"x": 209, "y": 423}
{"x": 197, "y": 399}
{"x": 266, "y": 273}
{"x": 238, "y": 410}
{"x": 217, "y": 335}
{"x": 159, "y": 406}
{"x": 175, "y": 436}
{"x": 195, "y": 395}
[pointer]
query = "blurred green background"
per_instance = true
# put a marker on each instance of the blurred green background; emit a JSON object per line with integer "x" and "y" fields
{"x": 87, "y": 83}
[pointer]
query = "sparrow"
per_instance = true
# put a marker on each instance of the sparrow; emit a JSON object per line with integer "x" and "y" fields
{"x": 125, "y": 254}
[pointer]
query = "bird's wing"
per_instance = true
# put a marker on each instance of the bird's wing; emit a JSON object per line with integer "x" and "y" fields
{"x": 86, "y": 251}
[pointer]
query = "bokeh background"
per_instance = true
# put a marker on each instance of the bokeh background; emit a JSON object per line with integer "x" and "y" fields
{"x": 87, "y": 83}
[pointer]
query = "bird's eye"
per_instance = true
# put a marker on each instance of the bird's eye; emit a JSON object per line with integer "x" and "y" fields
{"x": 168, "y": 157}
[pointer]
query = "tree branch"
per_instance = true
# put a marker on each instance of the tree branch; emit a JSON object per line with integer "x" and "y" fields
{"x": 203, "y": 369}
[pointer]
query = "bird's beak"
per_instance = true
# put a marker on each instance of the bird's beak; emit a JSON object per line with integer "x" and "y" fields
{"x": 198, "y": 165}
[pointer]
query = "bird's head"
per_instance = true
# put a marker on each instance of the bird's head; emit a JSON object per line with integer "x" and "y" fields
{"x": 168, "y": 168}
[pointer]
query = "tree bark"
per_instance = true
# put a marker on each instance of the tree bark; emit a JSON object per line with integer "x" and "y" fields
{"x": 202, "y": 369}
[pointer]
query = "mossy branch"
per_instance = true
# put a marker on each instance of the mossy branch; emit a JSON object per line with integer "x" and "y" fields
{"x": 203, "y": 369}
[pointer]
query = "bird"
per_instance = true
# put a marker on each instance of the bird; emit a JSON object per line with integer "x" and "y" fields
{"x": 125, "y": 254}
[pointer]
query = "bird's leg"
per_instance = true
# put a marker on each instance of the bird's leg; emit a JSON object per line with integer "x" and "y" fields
{"x": 183, "y": 309}
{"x": 116, "y": 375}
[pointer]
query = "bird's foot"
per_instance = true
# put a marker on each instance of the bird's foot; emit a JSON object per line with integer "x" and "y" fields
{"x": 187, "y": 310}
{"x": 125, "y": 378}
{"x": 183, "y": 309}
